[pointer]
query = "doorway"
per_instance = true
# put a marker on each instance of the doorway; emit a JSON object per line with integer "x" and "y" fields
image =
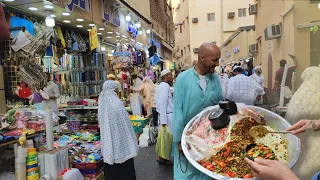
{"x": 314, "y": 48}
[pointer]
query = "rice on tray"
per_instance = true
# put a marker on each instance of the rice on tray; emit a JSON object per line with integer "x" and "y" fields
{"x": 223, "y": 151}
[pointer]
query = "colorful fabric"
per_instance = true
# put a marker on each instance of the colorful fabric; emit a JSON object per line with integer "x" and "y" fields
{"x": 118, "y": 140}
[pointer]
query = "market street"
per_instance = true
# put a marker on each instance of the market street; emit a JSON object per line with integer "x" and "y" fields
{"x": 147, "y": 167}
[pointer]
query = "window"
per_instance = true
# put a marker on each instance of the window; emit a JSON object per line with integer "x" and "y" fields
{"x": 242, "y": 12}
{"x": 180, "y": 29}
{"x": 188, "y": 48}
{"x": 211, "y": 17}
{"x": 185, "y": 50}
{"x": 181, "y": 53}
{"x": 187, "y": 19}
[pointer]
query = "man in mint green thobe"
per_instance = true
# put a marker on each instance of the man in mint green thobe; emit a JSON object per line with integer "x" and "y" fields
{"x": 188, "y": 101}
{"x": 192, "y": 94}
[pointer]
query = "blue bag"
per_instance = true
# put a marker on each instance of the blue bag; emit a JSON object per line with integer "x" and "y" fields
{"x": 19, "y": 22}
{"x": 155, "y": 59}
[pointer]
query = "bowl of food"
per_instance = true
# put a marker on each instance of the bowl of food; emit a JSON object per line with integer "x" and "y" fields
{"x": 260, "y": 151}
{"x": 220, "y": 153}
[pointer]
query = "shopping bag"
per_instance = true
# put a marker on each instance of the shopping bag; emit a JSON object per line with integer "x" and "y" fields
{"x": 164, "y": 143}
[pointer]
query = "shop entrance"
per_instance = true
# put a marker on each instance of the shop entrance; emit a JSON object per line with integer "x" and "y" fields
{"x": 314, "y": 49}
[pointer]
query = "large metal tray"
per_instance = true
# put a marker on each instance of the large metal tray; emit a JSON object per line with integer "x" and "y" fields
{"x": 272, "y": 119}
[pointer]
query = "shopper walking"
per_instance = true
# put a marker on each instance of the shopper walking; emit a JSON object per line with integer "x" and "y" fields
{"x": 52, "y": 90}
{"x": 195, "y": 89}
{"x": 258, "y": 77}
{"x": 136, "y": 99}
{"x": 147, "y": 90}
{"x": 163, "y": 101}
{"x": 243, "y": 89}
{"x": 119, "y": 143}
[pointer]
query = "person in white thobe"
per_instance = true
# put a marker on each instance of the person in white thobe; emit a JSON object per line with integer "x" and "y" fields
{"x": 242, "y": 89}
{"x": 258, "y": 77}
{"x": 164, "y": 103}
{"x": 52, "y": 90}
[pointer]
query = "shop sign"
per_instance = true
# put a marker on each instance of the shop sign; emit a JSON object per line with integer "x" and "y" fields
{"x": 109, "y": 14}
{"x": 155, "y": 42}
{"x": 81, "y": 4}
{"x": 93, "y": 38}
{"x": 236, "y": 50}
{"x": 132, "y": 29}
{"x": 171, "y": 65}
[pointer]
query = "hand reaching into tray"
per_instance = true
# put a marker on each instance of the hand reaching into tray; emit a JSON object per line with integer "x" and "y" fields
{"x": 270, "y": 169}
{"x": 303, "y": 125}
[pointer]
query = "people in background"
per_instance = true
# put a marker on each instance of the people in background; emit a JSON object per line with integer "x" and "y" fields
{"x": 164, "y": 105}
{"x": 52, "y": 90}
{"x": 195, "y": 89}
{"x": 38, "y": 98}
{"x": 279, "y": 74}
{"x": 136, "y": 99}
{"x": 276, "y": 170}
{"x": 258, "y": 77}
{"x": 147, "y": 90}
{"x": 242, "y": 89}
{"x": 118, "y": 141}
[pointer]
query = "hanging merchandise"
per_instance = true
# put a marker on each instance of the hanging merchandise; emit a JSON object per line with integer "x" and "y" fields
{"x": 138, "y": 58}
{"x": 60, "y": 36}
{"x": 20, "y": 41}
{"x": 31, "y": 73}
{"x": 155, "y": 59}
{"x": 19, "y": 22}
{"x": 122, "y": 59}
{"x": 4, "y": 28}
{"x": 75, "y": 45}
{"x": 93, "y": 36}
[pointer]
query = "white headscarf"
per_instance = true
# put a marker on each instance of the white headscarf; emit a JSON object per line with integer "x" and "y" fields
{"x": 118, "y": 139}
{"x": 258, "y": 78}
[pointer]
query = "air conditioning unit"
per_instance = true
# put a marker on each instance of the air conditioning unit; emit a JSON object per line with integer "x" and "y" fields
{"x": 178, "y": 6}
{"x": 231, "y": 15}
{"x": 253, "y": 48}
{"x": 195, "y": 50}
{"x": 253, "y": 9}
{"x": 273, "y": 32}
{"x": 195, "y": 20}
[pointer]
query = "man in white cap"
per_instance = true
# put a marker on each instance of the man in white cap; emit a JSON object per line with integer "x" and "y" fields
{"x": 164, "y": 106}
{"x": 242, "y": 89}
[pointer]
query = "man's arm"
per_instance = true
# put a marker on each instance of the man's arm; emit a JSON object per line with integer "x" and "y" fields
{"x": 162, "y": 104}
{"x": 178, "y": 122}
{"x": 295, "y": 62}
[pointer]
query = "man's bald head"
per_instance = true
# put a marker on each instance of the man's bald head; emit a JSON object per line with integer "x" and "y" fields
{"x": 209, "y": 56}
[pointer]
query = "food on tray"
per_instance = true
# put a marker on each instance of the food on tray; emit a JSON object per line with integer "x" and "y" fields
{"x": 229, "y": 161}
{"x": 258, "y": 131}
{"x": 260, "y": 151}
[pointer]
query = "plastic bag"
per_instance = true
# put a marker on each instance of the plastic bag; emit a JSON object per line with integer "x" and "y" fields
{"x": 164, "y": 143}
{"x": 155, "y": 59}
{"x": 204, "y": 141}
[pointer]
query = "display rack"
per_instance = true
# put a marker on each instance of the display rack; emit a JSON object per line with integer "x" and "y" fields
{"x": 80, "y": 75}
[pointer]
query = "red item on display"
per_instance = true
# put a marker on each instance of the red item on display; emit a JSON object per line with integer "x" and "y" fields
{"x": 24, "y": 92}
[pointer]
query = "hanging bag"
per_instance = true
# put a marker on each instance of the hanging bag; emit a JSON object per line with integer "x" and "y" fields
{"x": 75, "y": 45}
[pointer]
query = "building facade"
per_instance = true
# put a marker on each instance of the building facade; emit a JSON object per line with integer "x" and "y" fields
{"x": 163, "y": 27}
{"x": 214, "y": 21}
{"x": 292, "y": 36}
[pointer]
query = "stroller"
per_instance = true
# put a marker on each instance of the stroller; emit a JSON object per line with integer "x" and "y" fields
{"x": 153, "y": 130}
